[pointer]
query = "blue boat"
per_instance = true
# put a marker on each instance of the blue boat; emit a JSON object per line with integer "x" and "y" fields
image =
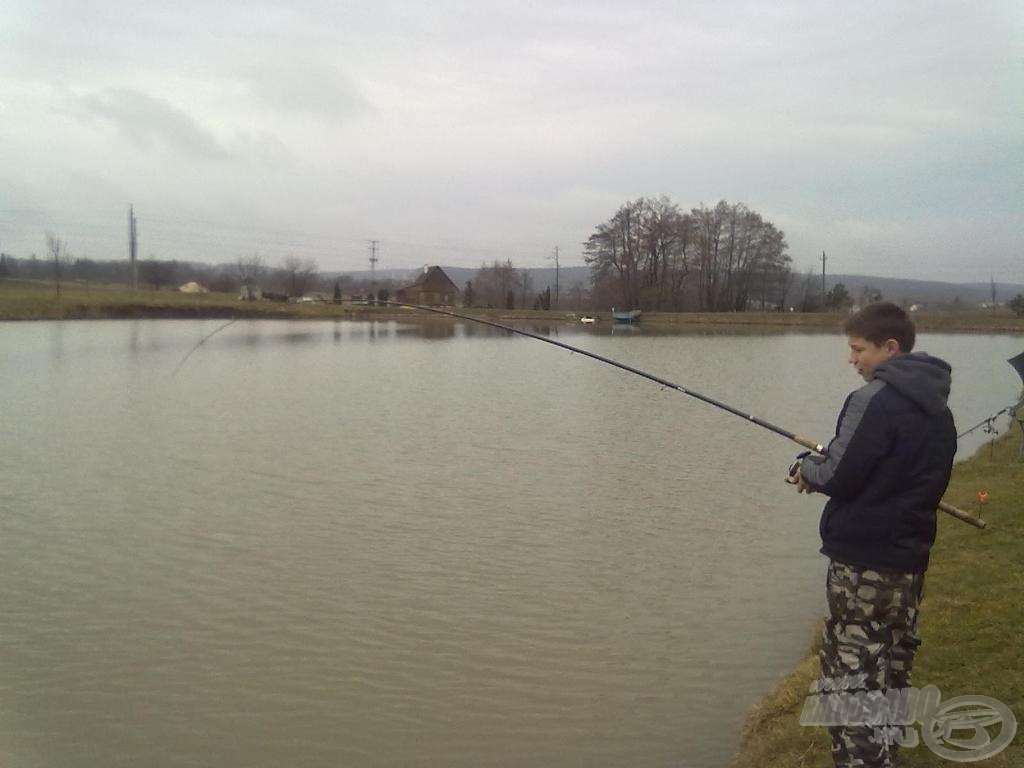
{"x": 625, "y": 317}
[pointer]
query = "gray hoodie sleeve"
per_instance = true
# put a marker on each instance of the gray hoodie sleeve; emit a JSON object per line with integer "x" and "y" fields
{"x": 861, "y": 440}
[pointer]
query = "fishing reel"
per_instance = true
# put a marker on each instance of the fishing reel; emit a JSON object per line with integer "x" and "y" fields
{"x": 795, "y": 467}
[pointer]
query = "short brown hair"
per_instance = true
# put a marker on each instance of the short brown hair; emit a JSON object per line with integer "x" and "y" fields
{"x": 880, "y": 322}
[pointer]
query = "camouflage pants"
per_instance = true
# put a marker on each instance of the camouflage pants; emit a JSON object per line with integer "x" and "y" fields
{"x": 871, "y": 636}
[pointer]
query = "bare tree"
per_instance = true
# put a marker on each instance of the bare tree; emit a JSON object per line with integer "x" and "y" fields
{"x": 614, "y": 252}
{"x": 869, "y": 294}
{"x": 643, "y": 256}
{"x": 577, "y": 296}
{"x": 526, "y": 286}
{"x": 812, "y": 300}
{"x": 1017, "y": 305}
{"x": 784, "y": 280}
{"x": 735, "y": 248}
{"x": 300, "y": 272}
{"x": 158, "y": 273}
{"x": 58, "y": 251}
{"x": 493, "y": 283}
{"x": 251, "y": 269}
{"x": 670, "y": 242}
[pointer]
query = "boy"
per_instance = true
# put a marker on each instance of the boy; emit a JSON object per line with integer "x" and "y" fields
{"x": 884, "y": 473}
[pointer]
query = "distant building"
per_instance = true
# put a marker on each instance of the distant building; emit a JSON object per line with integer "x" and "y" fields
{"x": 433, "y": 287}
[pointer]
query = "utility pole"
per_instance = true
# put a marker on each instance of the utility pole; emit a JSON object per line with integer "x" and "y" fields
{"x": 556, "y": 277}
{"x": 133, "y": 247}
{"x": 823, "y": 278}
{"x": 373, "y": 271}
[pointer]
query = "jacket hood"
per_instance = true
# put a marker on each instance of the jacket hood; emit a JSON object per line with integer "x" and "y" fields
{"x": 920, "y": 377}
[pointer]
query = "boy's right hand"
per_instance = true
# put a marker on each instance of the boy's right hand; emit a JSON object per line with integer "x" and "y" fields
{"x": 795, "y": 478}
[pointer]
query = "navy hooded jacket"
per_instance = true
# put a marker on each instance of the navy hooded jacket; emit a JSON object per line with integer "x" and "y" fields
{"x": 887, "y": 467}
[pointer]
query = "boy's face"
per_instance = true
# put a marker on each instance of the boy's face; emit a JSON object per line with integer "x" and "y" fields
{"x": 865, "y": 355}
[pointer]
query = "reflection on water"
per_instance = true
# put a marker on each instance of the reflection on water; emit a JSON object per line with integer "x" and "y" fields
{"x": 371, "y": 550}
{"x": 433, "y": 329}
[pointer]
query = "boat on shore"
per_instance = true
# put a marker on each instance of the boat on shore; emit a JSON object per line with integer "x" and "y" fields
{"x": 624, "y": 316}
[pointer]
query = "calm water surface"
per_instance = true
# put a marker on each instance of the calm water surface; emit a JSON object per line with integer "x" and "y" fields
{"x": 349, "y": 544}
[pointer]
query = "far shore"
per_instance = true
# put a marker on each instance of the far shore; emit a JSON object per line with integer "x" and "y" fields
{"x": 38, "y": 300}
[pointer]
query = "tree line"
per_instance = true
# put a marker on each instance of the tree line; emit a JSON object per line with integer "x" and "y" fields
{"x": 652, "y": 255}
{"x": 501, "y": 284}
{"x": 648, "y": 255}
{"x": 293, "y": 277}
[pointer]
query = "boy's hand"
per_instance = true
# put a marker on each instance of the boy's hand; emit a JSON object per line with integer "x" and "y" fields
{"x": 795, "y": 478}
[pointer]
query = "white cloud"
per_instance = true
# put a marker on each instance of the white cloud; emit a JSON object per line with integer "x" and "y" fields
{"x": 522, "y": 126}
{"x": 146, "y": 120}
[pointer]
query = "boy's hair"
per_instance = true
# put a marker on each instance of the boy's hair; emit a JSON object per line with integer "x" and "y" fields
{"x": 880, "y": 322}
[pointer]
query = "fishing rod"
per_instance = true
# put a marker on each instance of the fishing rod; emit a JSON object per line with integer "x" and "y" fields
{"x": 799, "y": 439}
{"x": 1017, "y": 362}
{"x": 989, "y": 423}
{"x": 805, "y": 442}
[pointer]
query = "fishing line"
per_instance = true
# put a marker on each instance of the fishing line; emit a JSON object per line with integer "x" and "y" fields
{"x": 200, "y": 343}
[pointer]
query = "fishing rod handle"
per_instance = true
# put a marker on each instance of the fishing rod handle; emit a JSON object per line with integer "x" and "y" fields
{"x": 809, "y": 444}
{"x": 959, "y": 514}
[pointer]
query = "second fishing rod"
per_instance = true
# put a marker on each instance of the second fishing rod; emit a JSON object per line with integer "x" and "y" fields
{"x": 805, "y": 442}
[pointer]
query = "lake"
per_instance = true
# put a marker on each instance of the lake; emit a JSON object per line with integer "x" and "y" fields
{"x": 398, "y": 544}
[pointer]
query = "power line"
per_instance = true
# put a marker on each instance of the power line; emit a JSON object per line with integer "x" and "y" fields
{"x": 168, "y": 233}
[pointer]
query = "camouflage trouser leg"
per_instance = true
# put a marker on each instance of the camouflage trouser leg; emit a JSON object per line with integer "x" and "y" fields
{"x": 871, "y": 632}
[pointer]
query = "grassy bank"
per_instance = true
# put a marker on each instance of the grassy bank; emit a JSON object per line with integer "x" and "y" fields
{"x": 971, "y": 623}
{"x": 38, "y": 300}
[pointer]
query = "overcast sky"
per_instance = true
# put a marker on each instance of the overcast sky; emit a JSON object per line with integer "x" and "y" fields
{"x": 889, "y": 134}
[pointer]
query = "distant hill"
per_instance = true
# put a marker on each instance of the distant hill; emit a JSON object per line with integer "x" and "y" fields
{"x": 926, "y": 291}
{"x": 896, "y": 289}
{"x": 540, "y": 277}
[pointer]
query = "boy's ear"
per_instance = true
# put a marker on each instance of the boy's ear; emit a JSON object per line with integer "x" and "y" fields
{"x": 891, "y": 347}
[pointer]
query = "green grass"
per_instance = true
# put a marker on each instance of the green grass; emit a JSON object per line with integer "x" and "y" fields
{"x": 971, "y": 621}
{"x": 38, "y": 300}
